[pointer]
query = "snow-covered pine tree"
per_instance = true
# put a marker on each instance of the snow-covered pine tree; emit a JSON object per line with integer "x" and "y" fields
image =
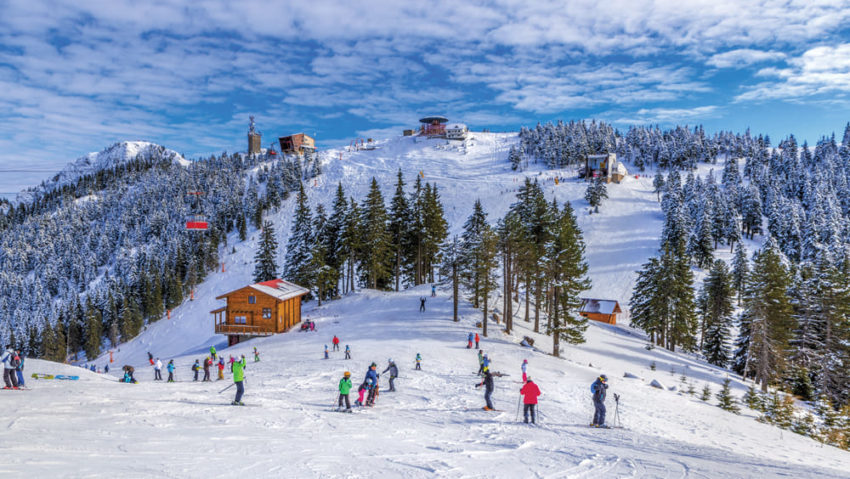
{"x": 470, "y": 250}
{"x": 94, "y": 331}
{"x": 376, "y": 246}
{"x": 568, "y": 271}
{"x": 658, "y": 184}
{"x": 706, "y": 393}
{"x": 265, "y": 260}
{"x": 715, "y": 310}
{"x": 452, "y": 262}
{"x": 399, "y": 228}
{"x": 740, "y": 270}
{"x": 436, "y": 230}
{"x": 299, "y": 246}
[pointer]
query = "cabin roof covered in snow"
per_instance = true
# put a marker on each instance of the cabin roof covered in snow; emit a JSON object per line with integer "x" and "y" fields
{"x": 276, "y": 288}
{"x": 600, "y": 306}
{"x": 456, "y": 126}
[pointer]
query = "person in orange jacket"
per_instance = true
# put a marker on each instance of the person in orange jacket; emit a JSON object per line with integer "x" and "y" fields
{"x": 476, "y": 340}
{"x": 530, "y": 392}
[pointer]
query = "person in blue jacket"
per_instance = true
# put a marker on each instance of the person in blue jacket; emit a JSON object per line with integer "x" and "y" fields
{"x": 170, "y": 368}
{"x": 599, "y": 388}
{"x": 469, "y": 341}
{"x": 372, "y": 384}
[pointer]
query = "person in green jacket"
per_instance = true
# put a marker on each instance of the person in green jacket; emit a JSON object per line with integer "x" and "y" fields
{"x": 344, "y": 389}
{"x": 238, "y": 378}
{"x": 212, "y": 352}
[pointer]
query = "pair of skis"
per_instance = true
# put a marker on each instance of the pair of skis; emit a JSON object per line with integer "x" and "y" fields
{"x": 51, "y": 376}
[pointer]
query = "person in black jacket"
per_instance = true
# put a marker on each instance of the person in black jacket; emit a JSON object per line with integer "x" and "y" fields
{"x": 599, "y": 388}
{"x": 487, "y": 382}
{"x": 393, "y": 369}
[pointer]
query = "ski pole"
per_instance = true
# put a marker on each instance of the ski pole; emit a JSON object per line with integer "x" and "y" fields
{"x": 228, "y": 387}
{"x": 518, "y": 401}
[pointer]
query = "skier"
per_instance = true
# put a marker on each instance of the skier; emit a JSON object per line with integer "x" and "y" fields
{"x": 486, "y": 362}
{"x": 312, "y": 326}
{"x": 524, "y": 365}
{"x": 393, "y": 369}
{"x": 433, "y": 290}
{"x": 20, "y": 370}
{"x": 335, "y": 342}
{"x": 150, "y": 358}
{"x": 480, "y": 362}
{"x": 157, "y": 370}
{"x": 421, "y": 304}
{"x": 170, "y": 368}
{"x": 326, "y": 351}
{"x": 361, "y": 391}
{"x": 598, "y": 388}
{"x": 207, "y": 364}
{"x": 106, "y": 368}
{"x": 487, "y": 382}
{"x": 230, "y": 361}
{"x": 196, "y": 367}
{"x": 344, "y": 389}
{"x": 9, "y": 375}
{"x": 347, "y": 352}
{"x": 529, "y": 393}
{"x": 238, "y": 378}
{"x": 220, "y": 366}
{"x": 476, "y": 340}
{"x": 372, "y": 384}
{"x": 469, "y": 341}
{"x": 212, "y": 352}
{"x": 418, "y": 360}
{"x": 256, "y": 355}
{"x": 128, "y": 374}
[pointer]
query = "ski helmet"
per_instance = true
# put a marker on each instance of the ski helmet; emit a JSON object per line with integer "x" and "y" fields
{"x": 604, "y": 378}
{"x": 528, "y": 379}
{"x": 346, "y": 374}
{"x": 390, "y": 360}
{"x": 373, "y": 365}
{"x": 525, "y": 361}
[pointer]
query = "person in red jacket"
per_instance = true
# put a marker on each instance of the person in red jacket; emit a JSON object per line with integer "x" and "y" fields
{"x": 336, "y": 343}
{"x": 476, "y": 340}
{"x": 529, "y": 393}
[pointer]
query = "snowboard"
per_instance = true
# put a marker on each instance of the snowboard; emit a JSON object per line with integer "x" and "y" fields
{"x": 41, "y": 376}
{"x": 58, "y": 376}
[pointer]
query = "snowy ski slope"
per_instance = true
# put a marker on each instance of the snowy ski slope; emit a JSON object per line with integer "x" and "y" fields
{"x": 97, "y": 427}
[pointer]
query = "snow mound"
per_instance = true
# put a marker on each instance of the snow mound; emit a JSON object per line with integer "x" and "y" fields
{"x": 657, "y": 384}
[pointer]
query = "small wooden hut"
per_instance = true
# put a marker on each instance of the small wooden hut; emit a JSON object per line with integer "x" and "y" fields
{"x": 260, "y": 309}
{"x": 602, "y": 310}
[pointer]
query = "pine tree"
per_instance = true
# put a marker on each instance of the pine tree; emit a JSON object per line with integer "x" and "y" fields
{"x": 376, "y": 240}
{"x": 436, "y": 230}
{"x": 658, "y": 184}
{"x": 706, "y": 393}
{"x": 715, "y": 311}
{"x": 296, "y": 265}
{"x": 472, "y": 247}
{"x": 740, "y": 271}
{"x": 753, "y": 399}
{"x": 515, "y": 158}
{"x": 452, "y": 263}
{"x": 398, "y": 224}
{"x": 568, "y": 270}
{"x": 94, "y": 331}
{"x": 265, "y": 260}
{"x": 350, "y": 243}
{"x": 725, "y": 400}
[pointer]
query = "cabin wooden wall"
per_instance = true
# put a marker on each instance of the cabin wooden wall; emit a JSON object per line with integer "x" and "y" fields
{"x": 602, "y": 318}
{"x": 237, "y": 305}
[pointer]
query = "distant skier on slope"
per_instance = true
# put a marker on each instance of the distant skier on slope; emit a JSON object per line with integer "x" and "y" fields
{"x": 422, "y": 304}
{"x": 418, "y": 361}
{"x": 393, "y": 369}
{"x": 150, "y": 358}
{"x": 487, "y": 382}
{"x": 347, "y": 352}
{"x": 524, "y": 366}
{"x": 238, "y": 379}
{"x": 170, "y": 368}
{"x": 476, "y": 340}
{"x": 335, "y": 342}
{"x": 469, "y": 341}
{"x": 220, "y": 367}
{"x": 20, "y": 369}
{"x": 433, "y": 290}
{"x": 326, "y": 352}
{"x": 530, "y": 392}
{"x": 256, "y": 355}
{"x": 480, "y": 361}
{"x": 599, "y": 388}
{"x": 207, "y": 364}
{"x": 157, "y": 370}
{"x": 212, "y": 352}
{"x": 344, "y": 389}
{"x": 195, "y": 368}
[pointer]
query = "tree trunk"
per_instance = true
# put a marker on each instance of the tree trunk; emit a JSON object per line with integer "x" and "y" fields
{"x": 537, "y": 291}
{"x": 397, "y": 266}
{"x": 527, "y": 292}
{"x": 454, "y": 291}
{"x": 484, "y": 322}
{"x": 554, "y": 327}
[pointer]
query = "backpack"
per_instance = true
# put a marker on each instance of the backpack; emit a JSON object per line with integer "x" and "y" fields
{"x": 195, "y": 367}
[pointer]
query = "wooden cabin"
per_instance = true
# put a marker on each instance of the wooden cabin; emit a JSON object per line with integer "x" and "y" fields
{"x": 260, "y": 309}
{"x": 298, "y": 144}
{"x": 605, "y": 166}
{"x": 602, "y": 310}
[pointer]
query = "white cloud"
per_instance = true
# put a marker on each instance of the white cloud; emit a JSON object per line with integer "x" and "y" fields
{"x": 820, "y": 71}
{"x": 743, "y": 57}
{"x": 669, "y": 116}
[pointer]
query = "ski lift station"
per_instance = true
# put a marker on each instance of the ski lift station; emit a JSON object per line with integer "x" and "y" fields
{"x": 437, "y": 127}
{"x": 605, "y": 166}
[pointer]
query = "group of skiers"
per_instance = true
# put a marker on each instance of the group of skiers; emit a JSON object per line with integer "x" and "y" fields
{"x": 13, "y": 369}
{"x": 369, "y": 389}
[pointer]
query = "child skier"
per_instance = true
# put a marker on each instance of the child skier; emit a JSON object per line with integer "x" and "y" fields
{"x": 524, "y": 365}
{"x": 347, "y": 352}
{"x": 487, "y": 382}
{"x": 433, "y": 290}
{"x": 170, "y": 368}
{"x": 480, "y": 362}
{"x": 372, "y": 381}
{"x": 150, "y": 358}
{"x": 361, "y": 391}
{"x": 238, "y": 378}
{"x": 326, "y": 351}
{"x": 344, "y": 389}
{"x": 393, "y": 369}
{"x": 476, "y": 340}
{"x": 469, "y": 341}
{"x": 207, "y": 364}
{"x": 256, "y": 355}
{"x": 20, "y": 370}
{"x": 422, "y": 304}
{"x": 196, "y": 367}
{"x": 530, "y": 392}
{"x": 418, "y": 360}
{"x": 220, "y": 368}
{"x": 335, "y": 342}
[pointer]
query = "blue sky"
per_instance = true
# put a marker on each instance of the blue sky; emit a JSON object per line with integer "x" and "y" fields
{"x": 78, "y": 76}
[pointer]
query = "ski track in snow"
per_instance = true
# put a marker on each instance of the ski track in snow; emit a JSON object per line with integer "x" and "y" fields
{"x": 97, "y": 427}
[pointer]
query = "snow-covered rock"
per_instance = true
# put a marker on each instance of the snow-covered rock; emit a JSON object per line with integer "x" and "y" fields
{"x": 631, "y": 376}
{"x": 657, "y": 384}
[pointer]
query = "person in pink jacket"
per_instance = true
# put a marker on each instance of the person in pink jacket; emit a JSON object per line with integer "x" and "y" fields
{"x": 361, "y": 391}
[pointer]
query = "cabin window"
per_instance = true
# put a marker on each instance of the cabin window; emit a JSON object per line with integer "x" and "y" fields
{"x": 267, "y": 313}
{"x": 252, "y": 300}
{"x": 240, "y": 319}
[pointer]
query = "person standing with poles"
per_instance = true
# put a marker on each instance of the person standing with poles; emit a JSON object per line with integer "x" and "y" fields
{"x": 487, "y": 382}
{"x": 157, "y": 370}
{"x": 170, "y": 368}
{"x": 195, "y": 368}
{"x": 238, "y": 380}
{"x": 524, "y": 366}
{"x": 20, "y": 370}
{"x": 480, "y": 362}
{"x": 220, "y": 366}
{"x": 599, "y": 388}
{"x": 347, "y": 352}
{"x": 393, "y": 369}
{"x": 530, "y": 392}
{"x": 335, "y": 342}
{"x": 207, "y": 364}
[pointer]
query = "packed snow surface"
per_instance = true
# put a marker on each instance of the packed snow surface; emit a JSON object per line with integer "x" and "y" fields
{"x": 433, "y": 425}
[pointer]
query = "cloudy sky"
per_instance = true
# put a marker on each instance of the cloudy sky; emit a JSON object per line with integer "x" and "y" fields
{"x": 76, "y": 76}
